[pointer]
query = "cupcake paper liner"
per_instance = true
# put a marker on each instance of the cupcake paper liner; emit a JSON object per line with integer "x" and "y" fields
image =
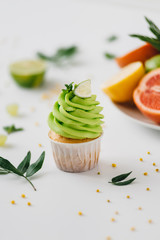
{"x": 76, "y": 157}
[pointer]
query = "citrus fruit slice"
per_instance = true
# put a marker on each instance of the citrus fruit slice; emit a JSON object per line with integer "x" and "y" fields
{"x": 12, "y": 109}
{"x": 140, "y": 54}
{"x": 152, "y": 63}
{"x": 120, "y": 87}
{"x": 3, "y": 139}
{"x": 83, "y": 89}
{"x": 28, "y": 73}
{"x": 147, "y": 95}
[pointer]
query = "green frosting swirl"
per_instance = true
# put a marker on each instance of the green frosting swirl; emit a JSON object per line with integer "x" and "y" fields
{"x": 75, "y": 117}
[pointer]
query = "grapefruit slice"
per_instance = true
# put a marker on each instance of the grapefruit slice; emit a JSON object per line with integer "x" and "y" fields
{"x": 147, "y": 95}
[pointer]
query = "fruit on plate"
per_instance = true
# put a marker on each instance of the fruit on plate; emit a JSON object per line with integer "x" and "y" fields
{"x": 140, "y": 54}
{"x": 147, "y": 95}
{"x": 83, "y": 89}
{"x": 28, "y": 73}
{"x": 152, "y": 63}
{"x": 120, "y": 87}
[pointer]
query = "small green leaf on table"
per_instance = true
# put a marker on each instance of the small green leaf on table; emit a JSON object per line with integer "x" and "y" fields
{"x": 23, "y": 166}
{"x": 109, "y": 55}
{"x": 12, "y": 129}
{"x": 35, "y": 167}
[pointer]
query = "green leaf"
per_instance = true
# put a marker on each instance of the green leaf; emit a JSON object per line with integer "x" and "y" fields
{"x": 35, "y": 167}
{"x": 23, "y": 166}
{"x": 112, "y": 38}
{"x": 121, "y": 177}
{"x": 44, "y": 57}
{"x": 68, "y": 87}
{"x": 2, "y": 171}
{"x": 123, "y": 183}
{"x": 66, "y": 52}
{"x": 109, "y": 55}
{"x": 153, "y": 41}
{"x": 6, "y": 165}
{"x": 153, "y": 28}
{"x": 61, "y": 54}
{"x": 12, "y": 129}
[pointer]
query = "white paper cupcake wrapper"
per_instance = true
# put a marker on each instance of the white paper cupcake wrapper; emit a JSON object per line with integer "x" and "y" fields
{"x": 76, "y": 157}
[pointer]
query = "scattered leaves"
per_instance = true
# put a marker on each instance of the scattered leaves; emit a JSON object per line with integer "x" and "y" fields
{"x": 109, "y": 55}
{"x": 155, "y": 42}
{"x": 24, "y": 167}
{"x": 112, "y": 38}
{"x": 12, "y": 129}
{"x": 60, "y": 55}
{"x": 121, "y": 177}
{"x": 35, "y": 167}
{"x": 118, "y": 180}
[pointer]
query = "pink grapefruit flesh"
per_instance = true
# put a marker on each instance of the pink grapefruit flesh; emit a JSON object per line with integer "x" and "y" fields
{"x": 147, "y": 95}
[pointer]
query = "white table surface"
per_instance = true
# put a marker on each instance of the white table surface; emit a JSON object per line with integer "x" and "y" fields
{"x": 29, "y": 26}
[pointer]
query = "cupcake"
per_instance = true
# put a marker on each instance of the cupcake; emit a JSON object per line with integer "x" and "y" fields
{"x": 75, "y": 128}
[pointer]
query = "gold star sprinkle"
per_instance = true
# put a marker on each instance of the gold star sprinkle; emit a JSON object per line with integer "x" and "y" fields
{"x": 132, "y": 228}
{"x": 12, "y": 202}
{"x": 145, "y": 173}
{"x": 45, "y": 96}
{"x": 114, "y": 165}
{"x": 141, "y": 159}
{"x": 108, "y": 238}
{"x": 32, "y": 109}
{"x": 79, "y": 213}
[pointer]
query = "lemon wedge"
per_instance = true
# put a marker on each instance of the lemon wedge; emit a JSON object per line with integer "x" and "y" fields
{"x": 120, "y": 87}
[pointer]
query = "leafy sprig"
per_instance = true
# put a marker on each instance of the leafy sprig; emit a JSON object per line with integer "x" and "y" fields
{"x": 69, "y": 87}
{"x": 118, "y": 180}
{"x": 12, "y": 129}
{"x": 109, "y": 55}
{"x": 60, "y": 55}
{"x": 155, "y": 42}
{"x": 24, "y": 169}
{"x": 112, "y": 38}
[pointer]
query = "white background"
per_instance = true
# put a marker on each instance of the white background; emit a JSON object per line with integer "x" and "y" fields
{"x": 25, "y": 28}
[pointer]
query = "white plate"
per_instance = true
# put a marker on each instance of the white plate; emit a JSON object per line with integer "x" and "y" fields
{"x": 133, "y": 113}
